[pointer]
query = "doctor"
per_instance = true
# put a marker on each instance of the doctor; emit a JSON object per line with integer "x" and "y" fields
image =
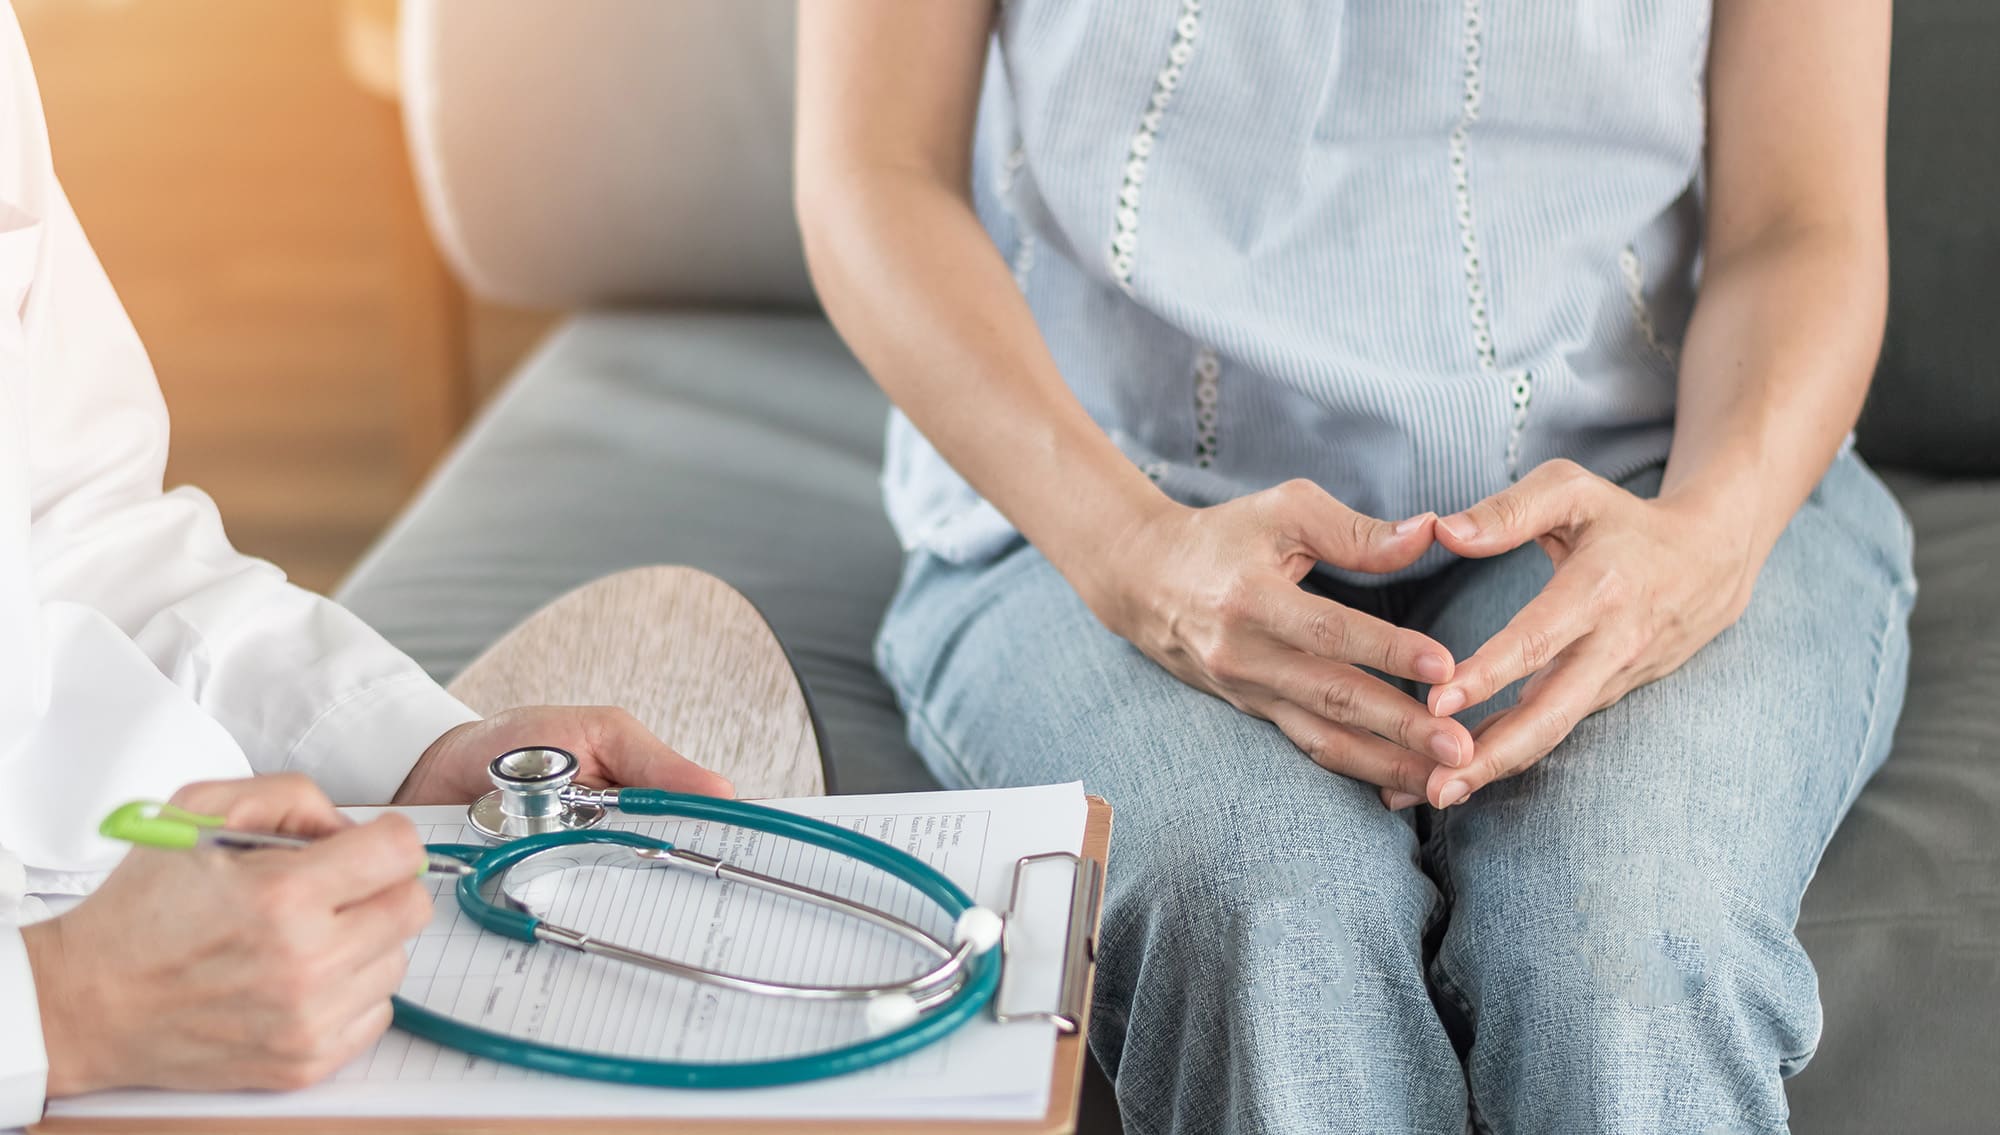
{"x": 139, "y": 653}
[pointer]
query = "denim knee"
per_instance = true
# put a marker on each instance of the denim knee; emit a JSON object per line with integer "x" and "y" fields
{"x": 1639, "y": 994}
{"x": 1297, "y": 927}
{"x": 1262, "y": 972}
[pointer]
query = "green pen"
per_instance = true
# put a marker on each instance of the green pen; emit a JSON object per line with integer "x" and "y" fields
{"x": 148, "y": 823}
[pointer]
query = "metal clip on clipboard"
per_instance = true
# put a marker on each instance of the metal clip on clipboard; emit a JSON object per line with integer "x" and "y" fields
{"x": 1079, "y": 952}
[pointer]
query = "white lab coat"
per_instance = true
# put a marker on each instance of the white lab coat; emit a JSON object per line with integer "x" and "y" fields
{"x": 138, "y": 650}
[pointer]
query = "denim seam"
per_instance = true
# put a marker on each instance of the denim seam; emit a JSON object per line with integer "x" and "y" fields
{"x": 1900, "y": 568}
{"x": 1439, "y": 974}
{"x": 1899, "y": 598}
{"x": 1870, "y": 735}
{"x": 945, "y": 751}
{"x": 1448, "y": 895}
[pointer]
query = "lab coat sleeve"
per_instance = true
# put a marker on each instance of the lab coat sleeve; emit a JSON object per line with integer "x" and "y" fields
{"x": 24, "y": 1060}
{"x": 24, "y": 1063}
{"x": 301, "y": 683}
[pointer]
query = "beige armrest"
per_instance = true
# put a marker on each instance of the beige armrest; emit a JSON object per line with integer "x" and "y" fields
{"x": 574, "y": 152}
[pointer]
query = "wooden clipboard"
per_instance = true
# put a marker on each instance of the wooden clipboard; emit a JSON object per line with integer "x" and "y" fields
{"x": 1065, "y": 1087}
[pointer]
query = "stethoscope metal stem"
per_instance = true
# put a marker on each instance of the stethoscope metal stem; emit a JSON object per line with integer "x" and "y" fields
{"x": 729, "y": 872}
{"x": 924, "y": 987}
{"x": 577, "y": 795}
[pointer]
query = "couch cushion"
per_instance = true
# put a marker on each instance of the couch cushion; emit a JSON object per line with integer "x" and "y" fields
{"x": 1936, "y": 402}
{"x": 745, "y": 445}
{"x": 1903, "y": 919}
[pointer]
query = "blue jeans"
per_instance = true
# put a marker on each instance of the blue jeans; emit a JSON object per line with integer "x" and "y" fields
{"x": 1601, "y": 944}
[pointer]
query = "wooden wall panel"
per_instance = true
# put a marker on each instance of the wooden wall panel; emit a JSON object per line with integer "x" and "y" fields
{"x": 252, "y": 205}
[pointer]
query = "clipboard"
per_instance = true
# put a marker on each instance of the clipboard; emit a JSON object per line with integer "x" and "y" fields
{"x": 1065, "y": 1081}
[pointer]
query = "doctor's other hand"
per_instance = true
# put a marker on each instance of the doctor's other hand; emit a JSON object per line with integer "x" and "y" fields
{"x": 209, "y": 970}
{"x": 1212, "y": 594}
{"x": 1640, "y": 585}
{"x": 611, "y": 747}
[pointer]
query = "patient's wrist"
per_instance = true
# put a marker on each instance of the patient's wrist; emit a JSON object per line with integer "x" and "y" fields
{"x": 64, "y": 998}
{"x": 1127, "y": 542}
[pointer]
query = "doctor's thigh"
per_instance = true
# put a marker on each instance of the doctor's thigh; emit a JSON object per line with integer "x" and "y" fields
{"x": 268, "y": 969}
{"x": 1259, "y": 964}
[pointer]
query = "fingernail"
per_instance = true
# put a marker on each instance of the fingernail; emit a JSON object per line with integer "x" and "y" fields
{"x": 1445, "y": 747}
{"x": 1449, "y": 702}
{"x": 1459, "y": 527}
{"x": 1453, "y": 792}
{"x": 1434, "y": 668}
{"x": 1412, "y": 524}
{"x": 1397, "y": 801}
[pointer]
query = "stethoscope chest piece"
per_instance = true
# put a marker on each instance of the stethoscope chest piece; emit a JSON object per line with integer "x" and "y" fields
{"x": 532, "y": 795}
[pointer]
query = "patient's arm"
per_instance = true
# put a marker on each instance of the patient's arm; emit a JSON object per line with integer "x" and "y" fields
{"x": 887, "y": 95}
{"x": 888, "y": 92}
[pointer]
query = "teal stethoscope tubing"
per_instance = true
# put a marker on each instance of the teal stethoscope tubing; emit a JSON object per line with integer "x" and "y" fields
{"x": 983, "y": 970}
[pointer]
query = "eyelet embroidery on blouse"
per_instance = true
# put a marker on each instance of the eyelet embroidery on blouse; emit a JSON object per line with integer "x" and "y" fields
{"x": 1635, "y": 293}
{"x": 1024, "y": 246}
{"x": 1519, "y": 391}
{"x": 1009, "y": 169}
{"x": 1207, "y": 369}
{"x": 1125, "y": 241}
{"x": 1024, "y": 260}
{"x": 1468, "y": 234}
{"x": 1519, "y": 385}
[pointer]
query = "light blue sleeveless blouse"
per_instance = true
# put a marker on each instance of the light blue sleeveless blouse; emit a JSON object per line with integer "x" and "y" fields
{"x": 1408, "y": 249}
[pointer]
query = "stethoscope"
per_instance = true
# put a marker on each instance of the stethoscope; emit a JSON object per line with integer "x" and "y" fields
{"x": 544, "y": 823}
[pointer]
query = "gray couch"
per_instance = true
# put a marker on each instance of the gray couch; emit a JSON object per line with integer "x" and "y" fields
{"x": 629, "y": 160}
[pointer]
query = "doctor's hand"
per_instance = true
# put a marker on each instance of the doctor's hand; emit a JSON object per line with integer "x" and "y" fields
{"x": 1639, "y": 586}
{"x": 1212, "y": 594}
{"x": 611, "y": 748}
{"x": 206, "y": 970}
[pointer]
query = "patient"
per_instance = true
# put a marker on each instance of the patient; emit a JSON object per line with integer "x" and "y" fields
{"x": 1396, "y": 453}
{"x": 139, "y": 653}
